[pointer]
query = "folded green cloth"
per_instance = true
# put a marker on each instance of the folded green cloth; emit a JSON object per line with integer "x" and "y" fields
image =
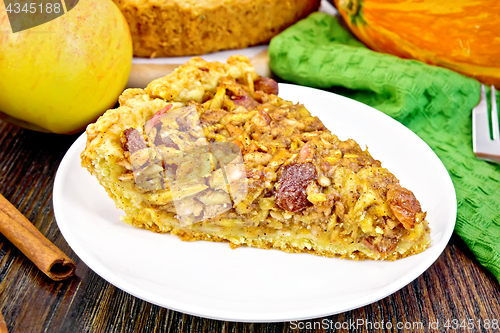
{"x": 433, "y": 102}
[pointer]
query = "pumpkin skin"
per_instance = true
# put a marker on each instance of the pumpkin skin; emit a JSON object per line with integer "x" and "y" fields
{"x": 461, "y": 35}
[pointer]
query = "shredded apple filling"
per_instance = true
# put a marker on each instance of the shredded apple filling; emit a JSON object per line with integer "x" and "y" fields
{"x": 244, "y": 166}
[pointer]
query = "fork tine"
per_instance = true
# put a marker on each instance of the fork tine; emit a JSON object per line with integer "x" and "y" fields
{"x": 484, "y": 147}
{"x": 480, "y": 127}
{"x": 494, "y": 115}
{"x": 483, "y": 105}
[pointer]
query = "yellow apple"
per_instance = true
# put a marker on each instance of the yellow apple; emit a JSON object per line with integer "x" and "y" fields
{"x": 61, "y": 75}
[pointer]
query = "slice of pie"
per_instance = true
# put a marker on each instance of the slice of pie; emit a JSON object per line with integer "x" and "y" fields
{"x": 210, "y": 152}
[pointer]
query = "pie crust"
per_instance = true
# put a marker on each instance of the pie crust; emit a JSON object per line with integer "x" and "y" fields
{"x": 161, "y": 28}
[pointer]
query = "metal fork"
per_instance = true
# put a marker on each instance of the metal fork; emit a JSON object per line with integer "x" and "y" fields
{"x": 484, "y": 146}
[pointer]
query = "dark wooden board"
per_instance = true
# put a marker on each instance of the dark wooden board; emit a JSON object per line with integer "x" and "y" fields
{"x": 456, "y": 287}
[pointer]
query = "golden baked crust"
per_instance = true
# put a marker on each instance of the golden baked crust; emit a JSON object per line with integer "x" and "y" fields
{"x": 163, "y": 28}
{"x": 159, "y": 157}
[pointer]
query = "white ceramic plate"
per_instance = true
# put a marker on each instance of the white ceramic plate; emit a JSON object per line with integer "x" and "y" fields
{"x": 253, "y": 285}
{"x": 220, "y": 56}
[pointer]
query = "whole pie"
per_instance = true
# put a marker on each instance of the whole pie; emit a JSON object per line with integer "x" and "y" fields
{"x": 166, "y": 28}
{"x": 210, "y": 152}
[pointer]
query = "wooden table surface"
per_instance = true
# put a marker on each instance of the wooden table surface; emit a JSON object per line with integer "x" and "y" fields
{"x": 455, "y": 291}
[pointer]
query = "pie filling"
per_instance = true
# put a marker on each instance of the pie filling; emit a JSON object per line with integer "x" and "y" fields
{"x": 241, "y": 165}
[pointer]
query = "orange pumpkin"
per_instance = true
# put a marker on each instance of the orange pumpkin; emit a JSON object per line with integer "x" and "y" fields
{"x": 461, "y": 35}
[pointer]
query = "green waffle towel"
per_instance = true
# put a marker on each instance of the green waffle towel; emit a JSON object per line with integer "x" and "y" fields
{"x": 433, "y": 102}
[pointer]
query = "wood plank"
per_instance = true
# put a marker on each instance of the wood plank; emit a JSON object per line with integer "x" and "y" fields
{"x": 454, "y": 287}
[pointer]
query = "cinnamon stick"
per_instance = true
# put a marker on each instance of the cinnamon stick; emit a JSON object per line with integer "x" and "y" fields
{"x": 30, "y": 241}
{"x": 3, "y": 324}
